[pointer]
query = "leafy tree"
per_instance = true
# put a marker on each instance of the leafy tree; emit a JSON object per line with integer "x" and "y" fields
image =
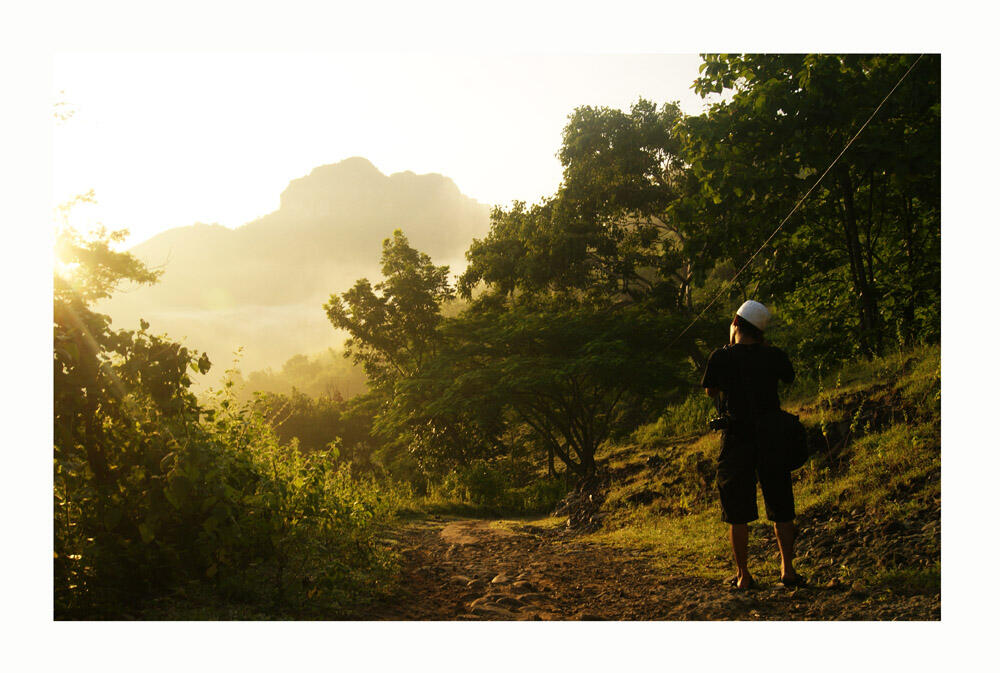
{"x": 152, "y": 489}
{"x": 443, "y": 428}
{"x": 326, "y": 374}
{"x": 574, "y": 376}
{"x": 393, "y": 324}
{"x": 315, "y": 423}
{"x": 863, "y": 251}
{"x": 608, "y": 233}
{"x": 394, "y": 333}
{"x": 116, "y": 393}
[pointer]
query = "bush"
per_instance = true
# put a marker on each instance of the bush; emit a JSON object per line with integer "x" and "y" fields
{"x": 539, "y": 497}
{"x": 496, "y": 487}
{"x": 480, "y": 483}
{"x": 686, "y": 418}
{"x": 156, "y": 494}
{"x": 229, "y": 506}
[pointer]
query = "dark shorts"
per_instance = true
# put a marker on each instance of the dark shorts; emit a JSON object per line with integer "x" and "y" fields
{"x": 742, "y": 463}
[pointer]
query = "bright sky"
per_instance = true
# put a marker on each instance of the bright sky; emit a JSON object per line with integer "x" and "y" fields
{"x": 167, "y": 140}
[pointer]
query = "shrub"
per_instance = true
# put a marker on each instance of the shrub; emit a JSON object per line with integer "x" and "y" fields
{"x": 497, "y": 487}
{"x": 154, "y": 492}
{"x": 226, "y": 504}
{"x": 688, "y": 417}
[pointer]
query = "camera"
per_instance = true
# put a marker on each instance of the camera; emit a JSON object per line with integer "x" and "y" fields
{"x": 719, "y": 423}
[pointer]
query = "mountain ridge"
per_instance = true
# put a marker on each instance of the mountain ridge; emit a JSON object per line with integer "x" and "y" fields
{"x": 228, "y": 287}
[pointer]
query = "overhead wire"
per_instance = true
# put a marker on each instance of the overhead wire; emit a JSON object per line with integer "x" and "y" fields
{"x": 729, "y": 283}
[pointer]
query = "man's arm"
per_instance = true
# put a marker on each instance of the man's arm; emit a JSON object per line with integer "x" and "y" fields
{"x": 712, "y": 380}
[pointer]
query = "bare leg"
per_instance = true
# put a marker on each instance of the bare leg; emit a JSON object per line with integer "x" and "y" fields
{"x": 785, "y": 532}
{"x": 739, "y": 535}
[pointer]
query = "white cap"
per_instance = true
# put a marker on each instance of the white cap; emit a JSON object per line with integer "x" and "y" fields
{"x": 754, "y": 313}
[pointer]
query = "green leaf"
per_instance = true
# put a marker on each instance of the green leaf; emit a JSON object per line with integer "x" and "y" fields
{"x": 111, "y": 518}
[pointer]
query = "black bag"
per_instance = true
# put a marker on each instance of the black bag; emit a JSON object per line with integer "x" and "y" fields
{"x": 792, "y": 440}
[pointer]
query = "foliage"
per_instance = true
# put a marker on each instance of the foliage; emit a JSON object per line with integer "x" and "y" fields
{"x": 395, "y": 335}
{"x": 327, "y": 374}
{"x": 608, "y": 232}
{"x": 572, "y": 376}
{"x": 687, "y": 417}
{"x": 315, "y": 423}
{"x": 153, "y": 491}
{"x": 495, "y": 487}
{"x": 392, "y": 325}
{"x": 862, "y": 256}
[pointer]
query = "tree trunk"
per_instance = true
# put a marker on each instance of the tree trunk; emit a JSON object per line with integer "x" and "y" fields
{"x": 867, "y": 302}
{"x": 910, "y": 252}
{"x": 587, "y": 461}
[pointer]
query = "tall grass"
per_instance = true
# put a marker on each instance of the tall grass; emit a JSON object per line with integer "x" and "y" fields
{"x": 686, "y": 418}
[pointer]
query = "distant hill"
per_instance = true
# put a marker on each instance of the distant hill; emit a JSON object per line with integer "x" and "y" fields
{"x": 262, "y": 285}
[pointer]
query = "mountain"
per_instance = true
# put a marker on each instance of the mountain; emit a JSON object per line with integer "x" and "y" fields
{"x": 262, "y": 285}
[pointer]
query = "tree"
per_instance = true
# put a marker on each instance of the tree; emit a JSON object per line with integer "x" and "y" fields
{"x": 864, "y": 249}
{"x": 152, "y": 490}
{"x": 93, "y": 365}
{"x": 392, "y": 325}
{"x": 608, "y": 233}
{"x": 394, "y": 328}
{"x": 574, "y": 376}
{"x": 121, "y": 400}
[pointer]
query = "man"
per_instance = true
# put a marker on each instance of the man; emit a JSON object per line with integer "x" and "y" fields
{"x": 743, "y": 379}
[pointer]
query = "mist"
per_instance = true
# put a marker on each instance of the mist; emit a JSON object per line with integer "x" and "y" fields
{"x": 260, "y": 288}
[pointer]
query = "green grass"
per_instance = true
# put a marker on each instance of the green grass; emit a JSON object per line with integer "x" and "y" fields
{"x": 685, "y": 418}
{"x": 882, "y": 460}
{"x": 546, "y": 522}
{"x": 919, "y": 366}
{"x": 693, "y": 544}
{"x": 901, "y": 460}
{"x": 911, "y": 581}
{"x": 539, "y": 496}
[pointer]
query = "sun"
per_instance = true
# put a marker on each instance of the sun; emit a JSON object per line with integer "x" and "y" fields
{"x": 62, "y": 268}
{"x": 63, "y": 265}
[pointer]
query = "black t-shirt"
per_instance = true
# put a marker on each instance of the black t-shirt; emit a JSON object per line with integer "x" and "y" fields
{"x": 748, "y": 376}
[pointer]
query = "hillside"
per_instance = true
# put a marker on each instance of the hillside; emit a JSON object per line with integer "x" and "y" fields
{"x": 868, "y": 503}
{"x": 262, "y": 285}
{"x": 643, "y": 540}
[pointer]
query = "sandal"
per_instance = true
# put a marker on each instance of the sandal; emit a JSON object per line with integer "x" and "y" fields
{"x": 734, "y": 584}
{"x": 795, "y": 581}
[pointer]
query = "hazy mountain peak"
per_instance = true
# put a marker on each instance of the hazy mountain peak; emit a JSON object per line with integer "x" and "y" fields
{"x": 262, "y": 285}
{"x": 349, "y": 179}
{"x": 355, "y": 180}
{"x": 346, "y": 168}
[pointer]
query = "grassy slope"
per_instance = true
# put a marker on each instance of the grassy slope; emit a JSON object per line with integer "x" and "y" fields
{"x": 868, "y": 502}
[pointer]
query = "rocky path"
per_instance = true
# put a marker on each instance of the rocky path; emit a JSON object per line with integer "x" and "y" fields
{"x": 477, "y": 570}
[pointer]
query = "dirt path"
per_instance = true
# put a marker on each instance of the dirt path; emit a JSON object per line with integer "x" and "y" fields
{"x": 477, "y": 570}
